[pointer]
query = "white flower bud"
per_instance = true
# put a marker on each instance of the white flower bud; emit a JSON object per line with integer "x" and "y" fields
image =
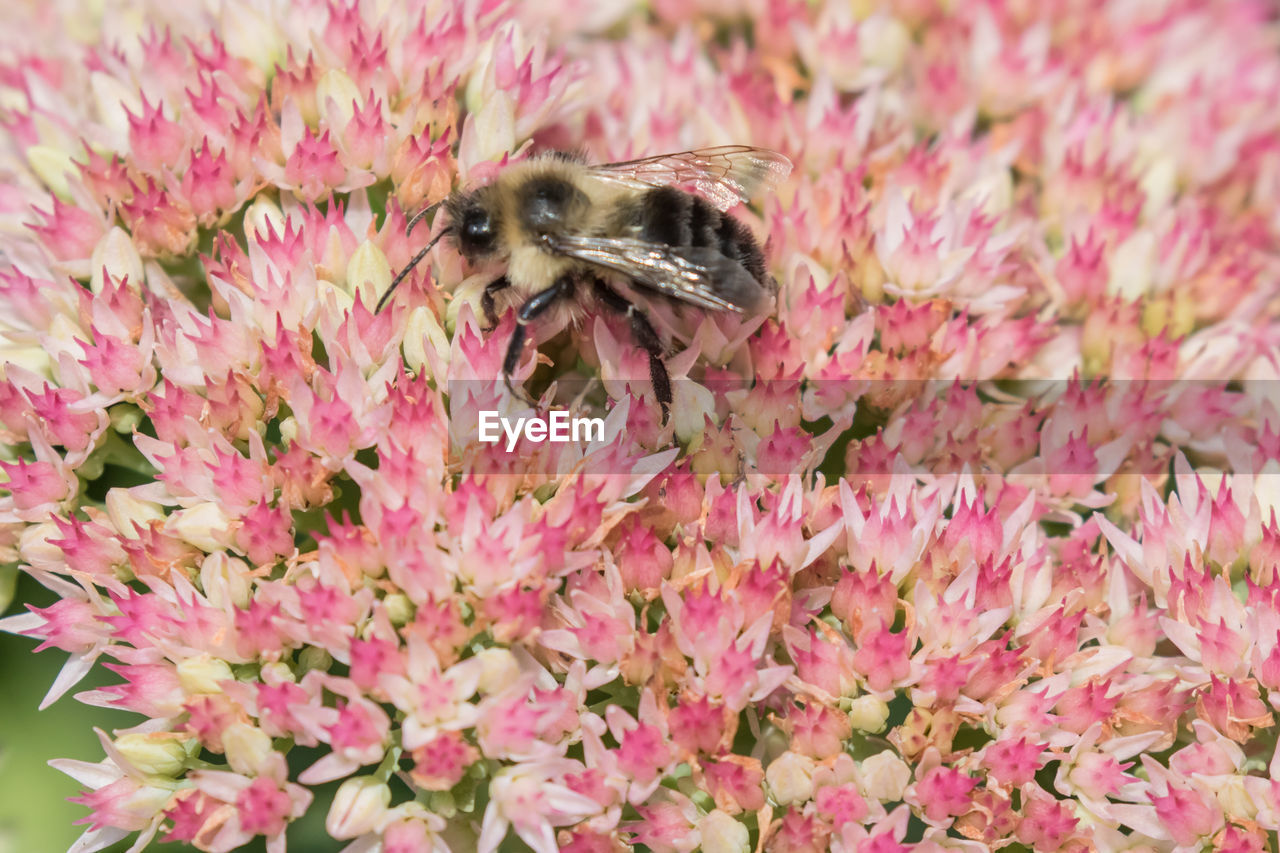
{"x": 35, "y": 359}
{"x": 868, "y": 713}
{"x": 358, "y": 807}
{"x": 474, "y": 94}
{"x": 790, "y": 778}
{"x": 498, "y": 669}
{"x": 203, "y": 525}
{"x": 114, "y": 101}
{"x": 423, "y": 330}
{"x": 249, "y": 33}
{"x": 335, "y": 298}
{"x": 1159, "y": 183}
{"x": 331, "y": 266}
{"x": 125, "y": 510}
{"x": 225, "y": 579}
{"x": 52, "y": 166}
{"x": 203, "y": 674}
{"x": 1213, "y": 479}
{"x": 247, "y": 748}
{"x": 468, "y": 293}
{"x": 155, "y": 754}
{"x": 489, "y": 133}
{"x": 335, "y": 85}
{"x": 276, "y": 672}
{"x": 885, "y": 777}
{"x": 116, "y": 254}
{"x": 1234, "y": 797}
{"x": 1132, "y": 264}
{"x": 261, "y": 213}
{"x": 883, "y": 41}
{"x": 34, "y": 546}
{"x": 1266, "y": 489}
{"x": 65, "y": 335}
{"x": 368, "y": 273}
{"x": 722, "y": 833}
{"x": 691, "y": 404}
{"x": 12, "y": 99}
{"x": 399, "y": 608}
{"x": 993, "y": 190}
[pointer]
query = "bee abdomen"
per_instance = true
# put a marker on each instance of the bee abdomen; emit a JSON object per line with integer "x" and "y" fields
{"x": 737, "y": 242}
{"x": 676, "y": 218}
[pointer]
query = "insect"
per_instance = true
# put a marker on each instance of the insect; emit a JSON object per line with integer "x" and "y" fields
{"x": 565, "y": 229}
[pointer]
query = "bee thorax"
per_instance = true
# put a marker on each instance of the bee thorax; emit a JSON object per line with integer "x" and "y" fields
{"x": 531, "y": 269}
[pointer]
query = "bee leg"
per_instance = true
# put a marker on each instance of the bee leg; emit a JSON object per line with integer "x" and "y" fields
{"x": 645, "y": 335}
{"x": 514, "y": 348}
{"x": 536, "y": 306}
{"x": 648, "y": 338}
{"x": 488, "y": 304}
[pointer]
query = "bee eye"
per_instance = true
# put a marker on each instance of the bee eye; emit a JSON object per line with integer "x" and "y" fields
{"x": 477, "y": 233}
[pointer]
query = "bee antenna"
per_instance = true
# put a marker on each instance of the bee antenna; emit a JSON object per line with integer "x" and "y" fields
{"x": 426, "y": 211}
{"x": 395, "y": 282}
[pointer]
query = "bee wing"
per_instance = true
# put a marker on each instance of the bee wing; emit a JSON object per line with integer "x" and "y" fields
{"x": 725, "y": 175}
{"x": 698, "y": 275}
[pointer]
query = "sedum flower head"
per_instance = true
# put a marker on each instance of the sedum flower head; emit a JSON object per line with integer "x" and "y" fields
{"x": 970, "y": 541}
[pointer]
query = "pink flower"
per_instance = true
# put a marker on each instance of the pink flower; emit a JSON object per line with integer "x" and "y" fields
{"x": 263, "y": 808}
{"x": 943, "y": 792}
{"x": 1014, "y": 761}
{"x": 643, "y": 560}
{"x": 1186, "y": 814}
{"x": 699, "y": 724}
{"x": 735, "y": 783}
{"x": 882, "y": 657}
{"x": 69, "y": 232}
{"x": 667, "y": 825}
{"x": 822, "y": 658}
{"x": 1046, "y": 822}
{"x": 1234, "y": 707}
{"x": 816, "y": 730}
{"x": 799, "y": 833}
{"x": 531, "y": 802}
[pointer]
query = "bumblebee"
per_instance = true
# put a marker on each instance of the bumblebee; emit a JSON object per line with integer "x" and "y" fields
{"x": 566, "y": 229}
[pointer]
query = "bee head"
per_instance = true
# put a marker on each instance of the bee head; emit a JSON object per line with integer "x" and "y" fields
{"x": 474, "y": 225}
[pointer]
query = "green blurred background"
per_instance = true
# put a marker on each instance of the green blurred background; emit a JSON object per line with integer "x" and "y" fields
{"x": 35, "y": 816}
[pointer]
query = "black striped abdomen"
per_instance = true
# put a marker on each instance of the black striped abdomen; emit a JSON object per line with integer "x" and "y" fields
{"x": 676, "y": 218}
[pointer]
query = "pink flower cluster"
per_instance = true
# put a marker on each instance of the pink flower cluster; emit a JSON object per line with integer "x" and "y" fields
{"x": 971, "y": 543}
